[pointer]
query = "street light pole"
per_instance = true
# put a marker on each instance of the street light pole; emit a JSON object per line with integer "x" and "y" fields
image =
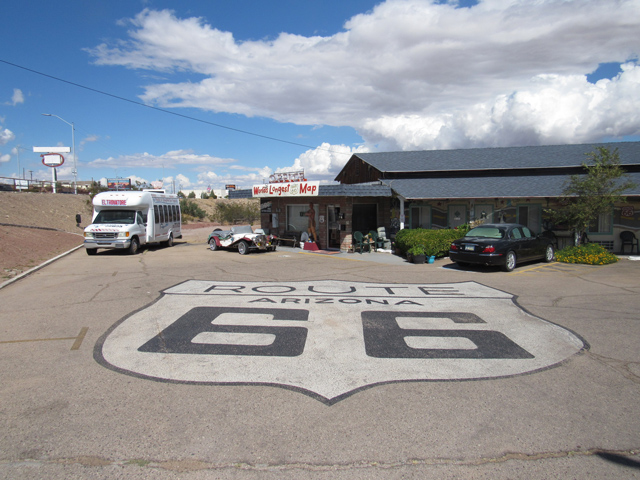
{"x": 73, "y": 142}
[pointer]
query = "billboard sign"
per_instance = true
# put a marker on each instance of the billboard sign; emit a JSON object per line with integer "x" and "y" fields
{"x": 296, "y": 189}
{"x": 52, "y": 159}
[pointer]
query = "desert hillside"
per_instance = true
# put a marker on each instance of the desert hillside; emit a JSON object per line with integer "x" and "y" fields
{"x": 23, "y": 248}
{"x": 45, "y": 210}
{"x": 59, "y": 210}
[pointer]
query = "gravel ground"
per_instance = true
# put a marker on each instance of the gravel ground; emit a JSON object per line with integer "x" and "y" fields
{"x": 35, "y": 227}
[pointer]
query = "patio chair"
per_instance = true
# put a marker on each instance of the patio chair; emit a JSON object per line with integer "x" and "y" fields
{"x": 628, "y": 238}
{"x": 358, "y": 242}
{"x": 382, "y": 238}
{"x": 375, "y": 241}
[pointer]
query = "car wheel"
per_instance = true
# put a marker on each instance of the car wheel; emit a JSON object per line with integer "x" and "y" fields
{"x": 243, "y": 247}
{"x": 549, "y": 254}
{"x": 213, "y": 246}
{"x": 91, "y": 251}
{"x": 134, "y": 246}
{"x": 509, "y": 262}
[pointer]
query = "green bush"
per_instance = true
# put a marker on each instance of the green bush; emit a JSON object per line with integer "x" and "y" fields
{"x": 434, "y": 242}
{"x": 230, "y": 212}
{"x": 190, "y": 208}
{"x": 589, "y": 254}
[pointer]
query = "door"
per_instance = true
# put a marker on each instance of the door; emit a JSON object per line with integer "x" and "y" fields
{"x": 333, "y": 227}
{"x": 142, "y": 227}
{"x": 365, "y": 218}
{"x": 533, "y": 247}
{"x": 483, "y": 213}
{"x": 457, "y": 215}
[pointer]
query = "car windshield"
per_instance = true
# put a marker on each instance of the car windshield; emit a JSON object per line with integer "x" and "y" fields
{"x": 116, "y": 216}
{"x": 486, "y": 232}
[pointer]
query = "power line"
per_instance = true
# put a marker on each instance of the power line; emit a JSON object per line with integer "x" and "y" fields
{"x": 246, "y": 132}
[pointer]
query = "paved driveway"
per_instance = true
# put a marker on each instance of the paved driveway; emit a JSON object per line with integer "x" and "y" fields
{"x": 187, "y": 363}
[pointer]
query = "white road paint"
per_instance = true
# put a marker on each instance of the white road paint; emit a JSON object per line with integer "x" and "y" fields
{"x": 331, "y": 338}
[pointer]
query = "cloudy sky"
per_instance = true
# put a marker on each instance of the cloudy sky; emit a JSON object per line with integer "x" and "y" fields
{"x": 211, "y": 93}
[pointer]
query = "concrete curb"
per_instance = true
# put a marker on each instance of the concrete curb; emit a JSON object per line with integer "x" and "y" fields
{"x": 35, "y": 269}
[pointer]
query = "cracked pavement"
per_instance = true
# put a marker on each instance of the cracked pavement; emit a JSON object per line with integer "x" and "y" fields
{"x": 63, "y": 415}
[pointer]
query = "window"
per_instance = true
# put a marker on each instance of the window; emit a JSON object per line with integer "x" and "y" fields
{"x": 530, "y": 216}
{"x": 602, "y": 225}
{"x": 297, "y": 220}
{"x": 420, "y": 217}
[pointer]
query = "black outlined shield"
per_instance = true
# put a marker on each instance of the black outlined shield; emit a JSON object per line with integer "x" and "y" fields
{"x": 330, "y": 339}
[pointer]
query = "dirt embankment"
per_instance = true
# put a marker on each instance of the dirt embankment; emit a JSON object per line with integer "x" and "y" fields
{"x": 54, "y": 215}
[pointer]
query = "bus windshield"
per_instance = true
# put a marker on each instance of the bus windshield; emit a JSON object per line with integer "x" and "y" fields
{"x": 116, "y": 216}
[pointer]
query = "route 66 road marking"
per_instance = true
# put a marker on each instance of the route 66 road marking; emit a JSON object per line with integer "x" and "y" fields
{"x": 330, "y": 339}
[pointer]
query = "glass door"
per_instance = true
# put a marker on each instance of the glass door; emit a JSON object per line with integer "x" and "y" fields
{"x": 333, "y": 227}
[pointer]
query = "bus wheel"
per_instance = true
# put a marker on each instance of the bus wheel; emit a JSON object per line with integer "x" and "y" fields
{"x": 134, "y": 246}
{"x": 169, "y": 242}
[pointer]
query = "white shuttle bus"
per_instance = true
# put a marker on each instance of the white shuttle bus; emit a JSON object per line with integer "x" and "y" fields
{"x": 127, "y": 220}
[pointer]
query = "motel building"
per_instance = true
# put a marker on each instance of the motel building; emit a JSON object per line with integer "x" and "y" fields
{"x": 444, "y": 189}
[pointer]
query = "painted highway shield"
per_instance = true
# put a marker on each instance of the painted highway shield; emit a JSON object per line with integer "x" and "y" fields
{"x": 329, "y": 339}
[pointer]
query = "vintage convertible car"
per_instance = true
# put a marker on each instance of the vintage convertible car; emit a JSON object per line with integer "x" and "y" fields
{"x": 242, "y": 238}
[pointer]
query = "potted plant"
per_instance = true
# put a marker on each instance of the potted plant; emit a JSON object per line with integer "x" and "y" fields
{"x": 431, "y": 251}
{"x": 418, "y": 253}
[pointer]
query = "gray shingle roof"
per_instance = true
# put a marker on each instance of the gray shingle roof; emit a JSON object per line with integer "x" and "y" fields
{"x": 356, "y": 190}
{"x": 508, "y": 158}
{"x": 488, "y": 187}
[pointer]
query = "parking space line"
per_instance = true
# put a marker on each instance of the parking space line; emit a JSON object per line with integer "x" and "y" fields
{"x": 76, "y": 344}
{"x": 555, "y": 267}
{"x": 536, "y": 268}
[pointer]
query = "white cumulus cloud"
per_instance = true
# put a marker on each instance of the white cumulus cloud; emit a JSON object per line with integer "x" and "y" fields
{"x": 411, "y": 74}
{"x": 17, "y": 97}
{"x": 6, "y": 136}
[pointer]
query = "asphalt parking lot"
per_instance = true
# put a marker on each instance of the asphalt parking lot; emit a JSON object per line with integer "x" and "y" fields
{"x": 191, "y": 364}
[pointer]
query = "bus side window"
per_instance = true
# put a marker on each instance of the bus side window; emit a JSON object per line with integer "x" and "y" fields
{"x": 156, "y": 214}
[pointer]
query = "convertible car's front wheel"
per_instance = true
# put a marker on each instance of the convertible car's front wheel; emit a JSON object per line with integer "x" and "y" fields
{"x": 243, "y": 247}
{"x": 509, "y": 262}
{"x": 213, "y": 246}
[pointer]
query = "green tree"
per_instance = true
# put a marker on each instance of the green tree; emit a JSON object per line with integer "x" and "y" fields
{"x": 181, "y": 195}
{"x": 140, "y": 185}
{"x": 192, "y": 194}
{"x": 585, "y": 197}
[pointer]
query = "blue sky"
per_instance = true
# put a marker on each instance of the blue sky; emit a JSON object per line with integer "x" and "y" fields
{"x": 242, "y": 89}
